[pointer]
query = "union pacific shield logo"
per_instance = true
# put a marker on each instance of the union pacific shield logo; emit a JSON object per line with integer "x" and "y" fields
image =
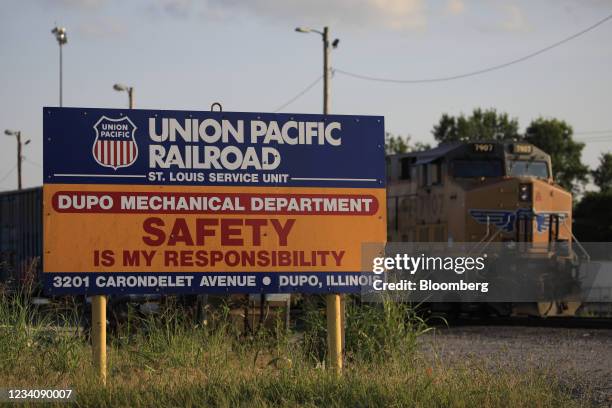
{"x": 115, "y": 145}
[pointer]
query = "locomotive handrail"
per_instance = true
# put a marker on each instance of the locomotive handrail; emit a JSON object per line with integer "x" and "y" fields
{"x": 486, "y": 233}
{"x": 586, "y": 254}
{"x": 487, "y": 242}
{"x": 488, "y": 227}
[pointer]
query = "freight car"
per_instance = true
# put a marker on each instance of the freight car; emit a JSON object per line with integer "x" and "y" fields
{"x": 480, "y": 193}
{"x": 21, "y": 249}
{"x": 21, "y": 239}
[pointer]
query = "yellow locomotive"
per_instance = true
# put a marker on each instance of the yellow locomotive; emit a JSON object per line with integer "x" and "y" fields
{"x": 481, "y": 193}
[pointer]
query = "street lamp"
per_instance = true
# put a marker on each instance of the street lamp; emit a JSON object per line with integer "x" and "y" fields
{"x": 326, "y": 55}
{"x": 129, "y": 90}
{"x": 17, "y": 134}
{"x": 60, "y": 36}
{"x": 306, "y": 30}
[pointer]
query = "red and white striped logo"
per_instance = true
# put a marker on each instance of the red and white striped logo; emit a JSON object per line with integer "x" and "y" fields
{"x": 115, "y": 145}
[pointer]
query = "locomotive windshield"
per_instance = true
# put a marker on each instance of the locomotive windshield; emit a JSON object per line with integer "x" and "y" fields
{"x": 477, "y": 168}
{"x": 527, "y": 168}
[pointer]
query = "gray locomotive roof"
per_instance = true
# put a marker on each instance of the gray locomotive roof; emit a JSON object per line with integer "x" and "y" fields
{"x": 426, "y": 156}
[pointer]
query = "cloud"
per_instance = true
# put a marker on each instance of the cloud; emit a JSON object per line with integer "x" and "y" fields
{"x": 399, "y": 14}
{"x": 177, "y": 8}
{"x": 102, "y": 27}
{"x": 515, "y": 19}
{"x": 80, "y": 4}
{"x": 390, "y": 14}
{"x": 455, "y": 6}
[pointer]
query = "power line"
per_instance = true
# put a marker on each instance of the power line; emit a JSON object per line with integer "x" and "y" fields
{"x": 609, "y": 140}
{"x": 8, "y": 173}
{"x": 592, "y": 132}
{"x": 32, "y": 162}
{"x": 302, "y": 92}
{"x": 599, "y": 138}
{"x": 609, "y": 137}
{"x": 588, "y": 138}
{"x": 480, "y": 71}
{"x": 591, "y": 138}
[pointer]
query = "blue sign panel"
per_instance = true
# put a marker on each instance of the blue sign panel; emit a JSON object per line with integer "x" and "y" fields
{"x": 114, "y": 146}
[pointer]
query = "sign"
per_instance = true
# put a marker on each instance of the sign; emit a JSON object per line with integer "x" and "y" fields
{"x": 483, "y": 147}
{"x": 518, "y": 148}
{"x": 149, "y": 201}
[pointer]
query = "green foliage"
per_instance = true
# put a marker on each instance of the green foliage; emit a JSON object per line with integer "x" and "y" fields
{"x": 555, "y": 138}
{"x": 399, "y": 144}
{"x": 593, "y": 218}
{"x": 395, "y": 144}
{"x": 166, "y": 360}
{"x": 480, "y": 125}
{"x": 374, "y": 331}
{"x": 602, "y": 175}
{"x": 25, "y": 332}
{"x": 381, "y": 331}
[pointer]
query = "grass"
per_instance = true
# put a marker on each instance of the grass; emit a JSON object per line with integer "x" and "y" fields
{"x": 167, "y": 361}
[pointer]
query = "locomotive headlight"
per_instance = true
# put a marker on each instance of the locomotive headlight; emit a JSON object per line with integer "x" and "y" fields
{"x": 524, "y": 192}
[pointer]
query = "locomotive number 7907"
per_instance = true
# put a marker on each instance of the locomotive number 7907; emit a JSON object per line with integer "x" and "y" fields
{"x": 483, "y": 147}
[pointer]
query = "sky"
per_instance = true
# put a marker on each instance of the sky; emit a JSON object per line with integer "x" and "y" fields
{"x": 245, "y": 54}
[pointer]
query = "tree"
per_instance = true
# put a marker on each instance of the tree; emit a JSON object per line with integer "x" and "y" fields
{"x": 555, "y": 138}
{"x": 602, "y": 175}
{"x": 592, "y": 215}
{"x": 398, "y": 144}
{"x": 395, "y": 144}
{"x": 481, "y": 125}
{"x": 593, "y": 218}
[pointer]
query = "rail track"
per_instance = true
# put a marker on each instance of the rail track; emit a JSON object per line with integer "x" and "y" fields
{"x": 561, "y": 322}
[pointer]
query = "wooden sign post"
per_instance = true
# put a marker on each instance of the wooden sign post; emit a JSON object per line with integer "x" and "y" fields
{"x": 334, "y": 335}
{"x": 98, "y": 335}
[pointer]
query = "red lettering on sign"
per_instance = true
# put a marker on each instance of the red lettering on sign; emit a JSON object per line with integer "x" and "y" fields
{"x": 231, "y": 231}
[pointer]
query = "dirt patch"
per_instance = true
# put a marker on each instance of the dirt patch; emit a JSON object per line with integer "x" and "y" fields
{"x": 580, "y": 358}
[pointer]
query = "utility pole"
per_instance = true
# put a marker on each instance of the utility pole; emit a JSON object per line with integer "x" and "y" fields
{"x": 18, "y": 160}
{"x": 326, "y": 65}
{"x": 61, "y": 87}
{"x": 334, "y": 310}
{"x": 17, "y": 134}
{"x": 333, "y": 301}
{"x": 326, "y": 71}
{"x": 131, "y": 97}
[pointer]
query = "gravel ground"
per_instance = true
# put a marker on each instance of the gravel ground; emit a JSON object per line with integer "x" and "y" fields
{"x": 580, "y": 358}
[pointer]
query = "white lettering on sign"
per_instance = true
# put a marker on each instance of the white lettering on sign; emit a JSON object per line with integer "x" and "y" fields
{"x": 194, "y": 144}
